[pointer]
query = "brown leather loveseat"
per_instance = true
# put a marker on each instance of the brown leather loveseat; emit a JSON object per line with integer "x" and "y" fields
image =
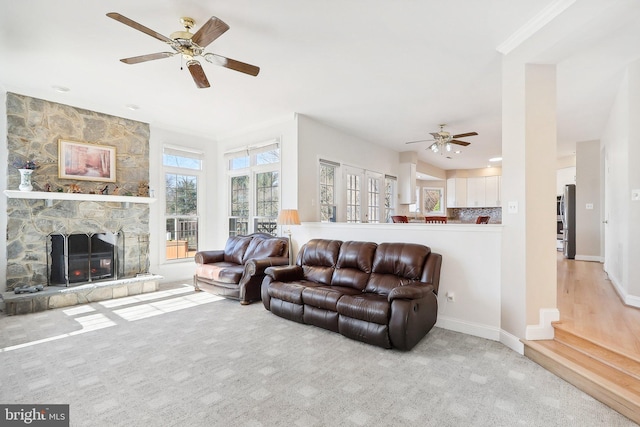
{"x": 382, "y": 294}
{"x": 237, "y": 270}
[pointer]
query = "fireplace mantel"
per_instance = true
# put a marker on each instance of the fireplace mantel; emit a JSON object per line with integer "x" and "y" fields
{"x": 42, "y": 195}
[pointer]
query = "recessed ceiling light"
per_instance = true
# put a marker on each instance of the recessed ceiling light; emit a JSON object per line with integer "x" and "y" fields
{"x": 61, "y": 89}
{"x": 495, "y": 159}
{"x": 132, "y": 107}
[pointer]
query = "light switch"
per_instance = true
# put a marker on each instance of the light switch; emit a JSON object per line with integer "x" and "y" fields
{"x": 589, "y": 205}
{"x": 512, "y": 207}
{"x": 635, "y": 194}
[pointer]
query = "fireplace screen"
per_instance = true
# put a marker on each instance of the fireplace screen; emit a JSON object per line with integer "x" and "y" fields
{"x": 82, "y": 258}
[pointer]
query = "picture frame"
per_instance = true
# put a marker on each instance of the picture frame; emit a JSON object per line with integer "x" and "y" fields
{"x": 432, "y": 200}
{"x": 86, "y": 162}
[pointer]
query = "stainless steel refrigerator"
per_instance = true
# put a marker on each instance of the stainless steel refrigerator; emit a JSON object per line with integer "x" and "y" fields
{"x": 568, "y": 212}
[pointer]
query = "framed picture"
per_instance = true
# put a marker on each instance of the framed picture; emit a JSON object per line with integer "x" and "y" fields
{"x": 432, "y": 200}
{"x": 88, "y": 162}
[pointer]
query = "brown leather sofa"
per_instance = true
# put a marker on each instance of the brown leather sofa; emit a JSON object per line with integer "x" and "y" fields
{"x": 237, "y": 270}
{"x": 382, "y": 294}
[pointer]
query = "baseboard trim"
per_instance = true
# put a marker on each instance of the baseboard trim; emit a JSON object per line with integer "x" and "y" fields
{"x": 591, "y": 258}
{"x": 512, "y": 342}
{"x": 543, "y": 330}
{"x": 630, "y": 300}
{"x": 475, "y": 329}
{"x": 481, "y": 331}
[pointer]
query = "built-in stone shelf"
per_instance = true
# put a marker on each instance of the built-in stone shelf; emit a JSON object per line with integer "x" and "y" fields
{"x": 42, "y": 195}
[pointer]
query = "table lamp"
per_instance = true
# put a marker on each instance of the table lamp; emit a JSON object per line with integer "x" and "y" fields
{"x": 289, "y": 217}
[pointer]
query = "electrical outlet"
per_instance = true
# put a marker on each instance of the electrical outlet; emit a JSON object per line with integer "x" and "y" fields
{"x": 589, "y": 206}
{"x": 512, "y": 207}
{"x": 451, "y": 297}
{"x": 635, "y": 195}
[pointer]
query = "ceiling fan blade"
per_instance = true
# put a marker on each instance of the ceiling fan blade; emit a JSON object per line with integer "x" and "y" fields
{"x": 422, "y": 140}
{"x": 211, "y": 30}
{"x": 463, "y": 143}
{"x": 149, "y": 57}
{"x": 435, "y": 134}
{"x": 139, "y": 27}
{"x": 463, "y": 135}
{"x": 232, "y": 64}
{"x": 198, "y": 74}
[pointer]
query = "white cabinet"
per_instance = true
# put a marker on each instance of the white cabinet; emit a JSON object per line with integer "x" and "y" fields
{"x": 407, "y": 184}
{"x": 493, "y": 186}
{"x": 476, "y": 192}
{"x": 456, "y": 192}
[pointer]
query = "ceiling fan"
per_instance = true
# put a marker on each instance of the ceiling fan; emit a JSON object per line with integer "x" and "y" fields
{"x": 442, "y": 140}
{"x": 190, "y": 46}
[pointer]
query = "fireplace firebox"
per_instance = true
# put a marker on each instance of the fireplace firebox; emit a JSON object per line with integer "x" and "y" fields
{"x": 82, "y": 258}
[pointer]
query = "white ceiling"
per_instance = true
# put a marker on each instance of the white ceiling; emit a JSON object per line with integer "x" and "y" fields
{"x": 385, "y": 71}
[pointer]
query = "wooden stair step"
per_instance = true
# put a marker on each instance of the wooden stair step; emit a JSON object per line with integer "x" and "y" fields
{"x": 602, "y": 353}
{"x": 613, "y": 387}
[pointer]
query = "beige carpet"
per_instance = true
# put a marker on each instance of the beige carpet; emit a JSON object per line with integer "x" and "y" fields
{"x": 179, "y": 358}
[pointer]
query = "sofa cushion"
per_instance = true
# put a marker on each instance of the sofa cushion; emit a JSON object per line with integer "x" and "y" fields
{"x": 318, "y": 259}
{"x": 235, "y": 248}
{"x": 225, "y": 272}
{"x": 354, "y": 264}
{"x": 326, "y": 297}
{"x": 289, "y": 291}
{"x": 396, "y": 264}
{"x": 264, "y": 248}
{"x": 369, "y": 307}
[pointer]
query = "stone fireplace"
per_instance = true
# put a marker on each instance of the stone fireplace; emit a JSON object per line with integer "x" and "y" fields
{"x": 34, "y": 128}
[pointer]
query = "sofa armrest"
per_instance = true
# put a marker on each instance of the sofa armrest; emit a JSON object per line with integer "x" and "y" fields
{"x": 412, "y": 291}
{"x": 208, "y": 257}
{"x": 259, "y": 265}
{"x": 288, "y": 273}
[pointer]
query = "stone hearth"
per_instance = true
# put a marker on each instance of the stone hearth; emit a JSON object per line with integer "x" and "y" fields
{"x": 62, "y": 296}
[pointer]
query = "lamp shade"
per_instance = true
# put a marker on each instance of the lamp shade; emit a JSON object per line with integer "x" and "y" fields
{"x": 288, "y": 217}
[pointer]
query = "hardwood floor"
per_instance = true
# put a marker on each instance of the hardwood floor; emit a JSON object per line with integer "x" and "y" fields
{"x": 591, "y": 308}
{"x": 597, "y": 340}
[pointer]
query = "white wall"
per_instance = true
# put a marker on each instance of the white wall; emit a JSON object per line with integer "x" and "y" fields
{"x": 470, "y": 266}
{"x": 622, "y": 163}
{"x": 588, "y": 222}
{"x": 565, "y": 176}
{"x": 319, "y": 141}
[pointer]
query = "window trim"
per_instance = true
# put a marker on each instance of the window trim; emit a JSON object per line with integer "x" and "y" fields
{"x": 200, "y": 191}
{"x": 252, "y": 171}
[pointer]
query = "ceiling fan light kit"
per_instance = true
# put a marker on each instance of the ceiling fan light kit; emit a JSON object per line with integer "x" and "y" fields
{"x": 189, "y": 46}
{"x": 442, "y": 140}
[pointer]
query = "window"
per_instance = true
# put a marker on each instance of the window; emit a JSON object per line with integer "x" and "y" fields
{"x": 182, "y": 170}
{"x": 327, "y": 191}
{"x": 373, "y": 198}
{"x": 353, "y": 190}
{"x": 267, "y": 202}
{"x": 363, "y": 195}
{"x": 390, "y": 196}
{"x": 254, "y": 189}
{"x": 239, "y": 219}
